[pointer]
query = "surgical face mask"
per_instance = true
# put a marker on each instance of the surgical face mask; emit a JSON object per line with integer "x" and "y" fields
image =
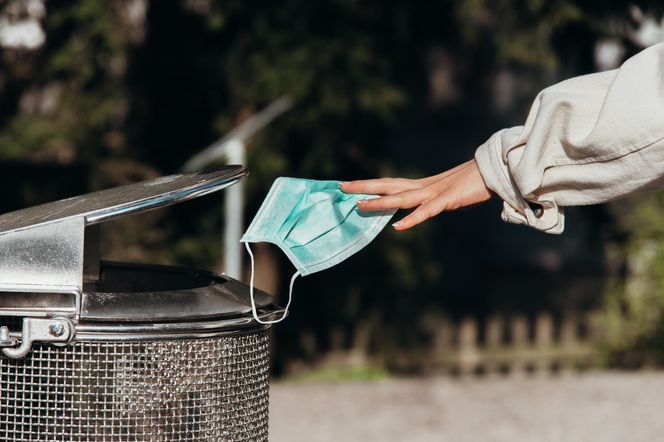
{"x": 315, "y": 224}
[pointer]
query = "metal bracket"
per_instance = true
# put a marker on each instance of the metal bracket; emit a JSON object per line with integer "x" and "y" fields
{"x": 53, "y": 330}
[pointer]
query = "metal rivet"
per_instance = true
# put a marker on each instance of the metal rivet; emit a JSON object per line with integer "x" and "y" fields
{"x": 56, "y": 329}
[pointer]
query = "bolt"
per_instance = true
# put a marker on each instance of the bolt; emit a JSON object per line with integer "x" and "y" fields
{"x": 5, "y": 338}
{"x": 56, "y": 329}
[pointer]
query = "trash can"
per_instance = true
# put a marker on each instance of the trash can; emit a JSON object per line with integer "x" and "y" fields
{"x": 105, "y": 351}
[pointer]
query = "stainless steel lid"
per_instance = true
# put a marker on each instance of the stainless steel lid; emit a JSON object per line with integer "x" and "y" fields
{"x": 52, "y": 248}
{"x": 113, "y": 203}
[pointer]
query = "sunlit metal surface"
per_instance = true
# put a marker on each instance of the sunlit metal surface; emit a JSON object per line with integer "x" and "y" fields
{"x": 41, "y": 247}
{"x": 119, "y": 201}
{"x": 199, "y": 390}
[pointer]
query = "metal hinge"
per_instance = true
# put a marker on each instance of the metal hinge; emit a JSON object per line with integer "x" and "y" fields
{"x": 53, "y": 330}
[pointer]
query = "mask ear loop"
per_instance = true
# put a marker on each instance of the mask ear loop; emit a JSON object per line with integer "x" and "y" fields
{"x": 251, "y": 292}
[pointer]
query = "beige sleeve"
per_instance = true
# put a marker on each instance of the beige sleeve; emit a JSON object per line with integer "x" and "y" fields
{"x": 587, "y": 140}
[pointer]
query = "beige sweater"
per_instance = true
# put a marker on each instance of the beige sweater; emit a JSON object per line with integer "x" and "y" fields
{"x": 587, "y": 140}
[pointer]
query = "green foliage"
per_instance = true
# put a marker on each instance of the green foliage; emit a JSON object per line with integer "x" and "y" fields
{"x": 633, "y": 318}
{"x": 363, "y": 373}
{"x": 73, "y": 94}
{"x": 522, "y": 29}
{"x": 334, "y": 76}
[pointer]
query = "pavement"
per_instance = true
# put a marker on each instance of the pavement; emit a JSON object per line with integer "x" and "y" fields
{"x": 596, "y": 406}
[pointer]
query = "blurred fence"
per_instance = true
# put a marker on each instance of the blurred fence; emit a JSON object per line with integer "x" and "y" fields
{"x": 508, "y": 345}
{"x": 497, "y": 344}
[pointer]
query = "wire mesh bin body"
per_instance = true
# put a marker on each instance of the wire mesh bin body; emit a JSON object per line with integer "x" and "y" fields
{"x": 213, "y": 389}
{"x": 134, "y": 352}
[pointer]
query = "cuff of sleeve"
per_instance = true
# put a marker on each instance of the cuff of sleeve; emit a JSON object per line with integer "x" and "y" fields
{"x": 516, "y": 210}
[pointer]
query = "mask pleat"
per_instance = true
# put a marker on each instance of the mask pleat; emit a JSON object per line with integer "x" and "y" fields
{"x": 319, "y": 218}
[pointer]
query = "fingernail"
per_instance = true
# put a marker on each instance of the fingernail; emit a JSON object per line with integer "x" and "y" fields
{"x": 345, "y": 183}
{"x": 397, "y": 224}
{"x": 361, "y": 202}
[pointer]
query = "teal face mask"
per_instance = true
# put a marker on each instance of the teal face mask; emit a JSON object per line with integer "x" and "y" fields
{"x": 315, "y": 224}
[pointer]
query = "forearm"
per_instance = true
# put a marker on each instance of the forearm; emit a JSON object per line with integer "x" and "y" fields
{"x": 587, "y": 140}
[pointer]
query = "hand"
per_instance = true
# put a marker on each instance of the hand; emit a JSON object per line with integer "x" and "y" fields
{"x": 454, "y": 189}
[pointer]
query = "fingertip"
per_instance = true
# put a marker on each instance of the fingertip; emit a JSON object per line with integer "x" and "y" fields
{"x": 403, "y": 224}
{"x": 348, "y": 186}
{"x": 362, "y": 204}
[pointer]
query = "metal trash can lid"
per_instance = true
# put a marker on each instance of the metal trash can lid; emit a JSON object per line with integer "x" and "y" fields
{"x": 49, "y": 248}
{"x": 119, "y": 201}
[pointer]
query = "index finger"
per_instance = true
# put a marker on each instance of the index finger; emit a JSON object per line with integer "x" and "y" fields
{"x": 380, "y": 186}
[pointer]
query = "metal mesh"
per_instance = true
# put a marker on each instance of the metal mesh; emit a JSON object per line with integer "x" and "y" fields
{"x": 178, "y": 390}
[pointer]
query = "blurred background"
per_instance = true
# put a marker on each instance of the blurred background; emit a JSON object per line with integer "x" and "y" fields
{"x": 98, "y": 94}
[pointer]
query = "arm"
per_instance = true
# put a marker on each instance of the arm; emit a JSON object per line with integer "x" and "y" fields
{"x": 587, "y": 140}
